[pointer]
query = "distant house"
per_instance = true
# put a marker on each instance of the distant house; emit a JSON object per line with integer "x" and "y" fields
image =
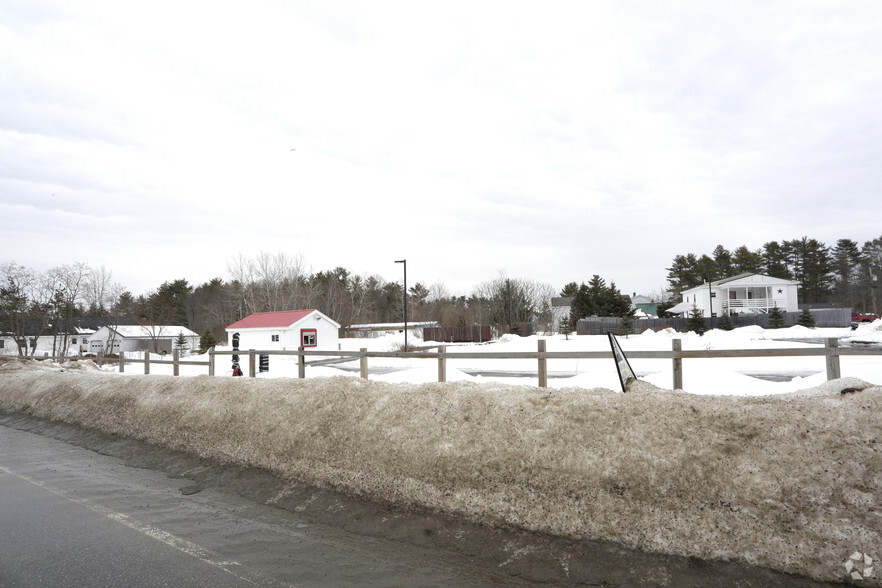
{"x": 560, "y": 309}
{"x": 645, "y": 305}
{"x": 287, "y": 329}
{"x": 153, "y": 338}
{"x": 34, "y": 343}
{"x": 741, "y": 294}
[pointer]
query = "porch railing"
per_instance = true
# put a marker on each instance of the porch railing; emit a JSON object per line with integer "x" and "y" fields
{"x": 748, "y": 303}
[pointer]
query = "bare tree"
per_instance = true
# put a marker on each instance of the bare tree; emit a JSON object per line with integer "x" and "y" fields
{"x": 100, "y": 292}
{"x": 71, "y": 281}
{"x": 516, "y": 300}
{"x": 269, "y": 282}
{"x": 17, "y": 284}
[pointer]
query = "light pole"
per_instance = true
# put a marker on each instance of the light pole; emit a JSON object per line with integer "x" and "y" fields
{"x": 404, "y": 261}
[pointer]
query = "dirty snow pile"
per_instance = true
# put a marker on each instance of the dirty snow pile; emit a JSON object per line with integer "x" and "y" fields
{"x": 786, "y": 481}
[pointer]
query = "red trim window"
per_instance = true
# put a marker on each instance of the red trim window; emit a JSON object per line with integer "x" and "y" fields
{"x": 308, "y": 337}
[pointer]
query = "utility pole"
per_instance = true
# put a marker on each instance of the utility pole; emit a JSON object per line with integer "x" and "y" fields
{"x": 404, "y": 261}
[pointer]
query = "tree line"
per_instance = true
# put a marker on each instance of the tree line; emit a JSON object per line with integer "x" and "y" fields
{"x": 845, "y": 275}
{"x": 56, "y": 301}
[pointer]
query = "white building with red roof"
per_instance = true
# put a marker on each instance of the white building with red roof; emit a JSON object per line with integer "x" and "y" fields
{"x": 285, "y": 330}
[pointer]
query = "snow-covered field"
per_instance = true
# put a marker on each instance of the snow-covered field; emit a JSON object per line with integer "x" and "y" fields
{"x": 738, "y": 376}
{"x": 734, "y": 468}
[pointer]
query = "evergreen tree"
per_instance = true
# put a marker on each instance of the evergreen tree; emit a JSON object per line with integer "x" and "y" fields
{"x": 181, "y": 342}
{"x": 725, "y": 323}
{"x": 774, "y": 257}
{"x": 570, "y": 289}
{"x": 566, "y": 327}
{"x": 746, "y": 261}
{"x": 723, "y": 262}
{"x": 707, "y": 269}
{"x": 695, "y": 322}
{"x": 812, "y": 265}
{"x": 683, "y": 274}
{"x": 597, "y": 299}
{"x": 626, "y": 326}
{"x": 169, "y": 305}
{"x": 847, "y": 259}
{"x": 806, "y": 319}
{"x": 776, "y": 318}
{"x": 207, "y": 341}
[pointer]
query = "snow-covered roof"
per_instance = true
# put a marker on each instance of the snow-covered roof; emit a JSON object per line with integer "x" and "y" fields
{"x": 152, "y": 331}
{"x": 281, "y": 319}
{"x": 681, "y": 307}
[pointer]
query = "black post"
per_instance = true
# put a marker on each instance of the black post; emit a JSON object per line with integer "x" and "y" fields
{"x": 404, "y": 261}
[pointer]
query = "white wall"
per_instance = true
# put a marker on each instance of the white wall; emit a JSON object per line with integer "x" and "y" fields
{"x": 327, "y": 336}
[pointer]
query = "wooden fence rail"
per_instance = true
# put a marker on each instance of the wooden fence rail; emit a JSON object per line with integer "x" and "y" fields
{"x": 831, "y": 351}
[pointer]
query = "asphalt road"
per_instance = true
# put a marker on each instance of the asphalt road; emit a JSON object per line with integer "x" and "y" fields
{"x": 72, "y": 517}
{"x": 80, "y": 508}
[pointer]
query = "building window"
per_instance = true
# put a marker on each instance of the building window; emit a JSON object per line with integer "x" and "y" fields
{"x": 2, "y": 343}
{"x": 308, "y": 337}
{"x": 275, "y": 338}
{"x": 73, "y": 340}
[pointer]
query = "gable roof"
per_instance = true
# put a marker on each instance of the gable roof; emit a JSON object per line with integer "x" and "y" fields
{"x": 266, "y": 320}
{"x": 769, "y": 280}
{"x": 765, "y": 278}
{"x": 151, "y": 331}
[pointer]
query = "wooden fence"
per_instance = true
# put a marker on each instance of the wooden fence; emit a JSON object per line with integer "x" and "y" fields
{"x": 824, "y": 317}
{"x": 831, "y": 352}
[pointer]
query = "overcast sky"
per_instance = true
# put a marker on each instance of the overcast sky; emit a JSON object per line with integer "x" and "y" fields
{"x": 551, "y": 140}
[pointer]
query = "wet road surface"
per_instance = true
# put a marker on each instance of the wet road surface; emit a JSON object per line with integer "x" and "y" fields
{"x": 83, "y": 508}
{"x": 72, "y": 517}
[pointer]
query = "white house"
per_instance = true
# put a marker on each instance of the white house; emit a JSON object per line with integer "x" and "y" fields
{"x": 560, "y": 309}
{"x": 46, "y": 345}
{"x": 287, "y": 329}
{"x": 744, "y": 293}
{"x": 154, "y": 338}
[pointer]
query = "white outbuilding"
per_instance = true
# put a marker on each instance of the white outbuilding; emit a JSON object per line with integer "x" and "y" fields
{"x": 153, "y": 338}
{"x": 286, "y": 330}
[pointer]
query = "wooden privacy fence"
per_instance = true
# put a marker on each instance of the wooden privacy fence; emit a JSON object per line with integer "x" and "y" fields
{"x": 824, "y": 317}
{"x": 831, "y": 352}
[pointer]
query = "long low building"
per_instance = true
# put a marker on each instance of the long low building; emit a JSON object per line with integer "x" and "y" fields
{"x": 379, "y": 329}
{"x": 111, "y": 340}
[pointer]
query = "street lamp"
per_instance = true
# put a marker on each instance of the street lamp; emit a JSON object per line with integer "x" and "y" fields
{"x": 404, "y": 261}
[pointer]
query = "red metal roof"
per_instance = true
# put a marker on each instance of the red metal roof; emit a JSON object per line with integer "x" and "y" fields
{"x": 263, "y": 320}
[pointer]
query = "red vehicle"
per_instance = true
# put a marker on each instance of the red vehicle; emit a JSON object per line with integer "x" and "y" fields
{"x": 859, "y": 317}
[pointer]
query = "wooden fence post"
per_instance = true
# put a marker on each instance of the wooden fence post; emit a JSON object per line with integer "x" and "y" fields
{"x": 832, "y": 349}
{"x": 442, "y": 363}
{"x": 677, "y": 345}
{"x": 301, "y": 363}
{"x": 176, "y": 368}
{"x": 362, "y": 363}
{"x": 146, "y": 361}
{"x": 122, "y": 362}
{"x": 251, "y": 371}
{"x": 211, "y": 361}
{"x": 543, "y": 365}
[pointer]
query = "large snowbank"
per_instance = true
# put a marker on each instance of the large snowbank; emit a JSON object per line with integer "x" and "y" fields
{"x": 788, "y": 481}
